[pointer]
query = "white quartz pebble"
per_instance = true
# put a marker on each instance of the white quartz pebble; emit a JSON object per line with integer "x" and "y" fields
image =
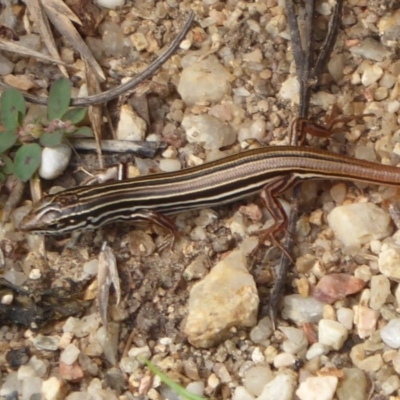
{"x": 130, "y": 125}
{"x": 317, "y": 388}
{"x": 390, "y": 333}
{"x": 54, "y": 161}
{"x": 331, "y": 333}
{"x": 359, "y": 223}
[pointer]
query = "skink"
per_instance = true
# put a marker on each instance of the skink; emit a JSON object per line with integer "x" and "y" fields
{"x": 266, "y": 170}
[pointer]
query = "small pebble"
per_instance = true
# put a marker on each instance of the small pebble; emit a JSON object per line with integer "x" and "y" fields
{"x": 170, "y": 165}
{"x": 334, "y": 287}
{"x": 372, "y": 73}
{"x": 300, "y": 309}
{"x": 296, "y": 342}
{"x": 241, "y": 393}
{"x": 255, "y": 378}
{"x": 49, "y": 343}
{"x": 390, "y": 333}
{"x": 353, "y": 378}
{"x": 380, "y": 290}
{"x": 281, "y": 387}
{"x": 316, "y": 350}
{"x": 317, "y": 388}
{"x": 370, "y": 49}
{"x": 332, "y": 334}
{"x": 196, "y": 388}
{"x": 365, "y": 320}
{"x": 345, "y": 316}
{"x": 112, "y": 4}
{"x": 284, "y": 360}
{"x": 130, "y": 125}
{"x": 70, "y": 354}
{"x": 205, "y": 329}
{"x": 262, "y": 331}
{"x": 204, "y": 81}
{"x": 391, "y": 385}
{"x": 208, "y": 131}
{"x": 55, "y": 160}
{"x": 388, "y": 261}
{"x": 289, "y": 89}
{"x": 54, "y": 389}
{"x": 359, "y": 223}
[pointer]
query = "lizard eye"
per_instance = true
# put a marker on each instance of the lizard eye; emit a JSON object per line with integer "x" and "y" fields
{"x": 50, "y": 217}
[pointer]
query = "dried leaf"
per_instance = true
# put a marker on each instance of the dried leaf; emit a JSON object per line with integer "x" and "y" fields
{"x": 107, "y": 276}
{"x": 61, "y": 8}
{"x": 25, "y": 51}
{"x": 35, "y": 8}
{"x": 67, "y": 29}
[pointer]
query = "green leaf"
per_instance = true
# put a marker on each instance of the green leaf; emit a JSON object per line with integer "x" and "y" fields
{"x": 83, "y": 131}
{"x": 27, "y": 160}
{"x": 12, "y": 108}
{"x": 75, "y": 115}
{"x": 2, "y": 177}
{"x": 8, "y": 166}
{"x": 7, "y": 140}
{"x": 59, "y": 99}
{"x": 52, "y": 139}
{"x": 186, "y": 395}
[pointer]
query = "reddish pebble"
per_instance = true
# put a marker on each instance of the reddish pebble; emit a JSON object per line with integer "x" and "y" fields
{"x": 334, "y": 287}
{"x": 72, "y": 373}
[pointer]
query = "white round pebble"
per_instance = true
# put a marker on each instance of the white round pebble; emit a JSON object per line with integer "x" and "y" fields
{"x": 331, "y": 333}
{"x": 35, "y": 274}
{"x": 390, "y": 333}
{"x": 7, "y": 299}
{"x": 54, "y": 161}
{"x": 255, "y": 378}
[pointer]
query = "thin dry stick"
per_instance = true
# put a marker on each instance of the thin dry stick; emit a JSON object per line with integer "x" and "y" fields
{"x": 308, "y": 77}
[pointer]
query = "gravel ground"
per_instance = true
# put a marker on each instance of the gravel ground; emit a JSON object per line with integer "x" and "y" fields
{"x": 199, "y": 312}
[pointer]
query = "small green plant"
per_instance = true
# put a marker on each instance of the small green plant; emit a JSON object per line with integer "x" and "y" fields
{"x": 31, "y": 138}
{"x": 178, "y": 389}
